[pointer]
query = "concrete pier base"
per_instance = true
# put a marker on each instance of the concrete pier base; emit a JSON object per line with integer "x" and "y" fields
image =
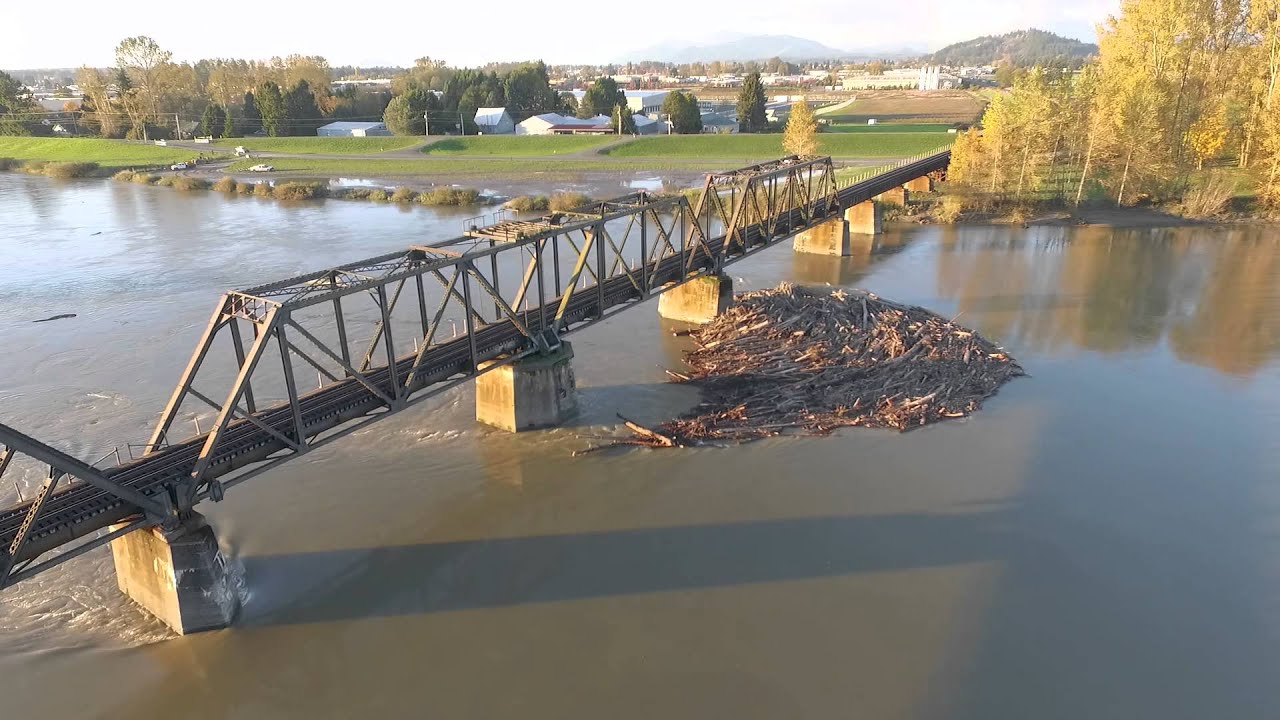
{"x": 178, "y": 575}
{"x": 896, "y": 196}
{"x": 699, "y": 300}
{"x": 924, "y": 183}
{"x": 865, "y": 218}
{"x": 538, "y": 391}
{"x": 828, "y": 238}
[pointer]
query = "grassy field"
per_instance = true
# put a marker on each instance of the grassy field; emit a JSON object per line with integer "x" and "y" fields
{"x": 758, "y": 147}
{"x": 518, "y": 146}
{"x": 322, "y": 145}
{"x": 907, "y": 106}
{"x": 470, "y": 167}
{"x": 107, "y": 153}
{"x": 903, "y": 128}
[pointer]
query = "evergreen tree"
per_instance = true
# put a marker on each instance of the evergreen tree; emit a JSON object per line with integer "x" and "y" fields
{"x": 228, "y": 123}
{"x": 275, "y": 114}
{"x": 252, "y": 116}
{"x": 301, "y": 109}
{"x": 211, "y": 121}
{"x": 751, "y": 115}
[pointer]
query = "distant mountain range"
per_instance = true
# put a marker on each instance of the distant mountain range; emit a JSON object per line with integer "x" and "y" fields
{"x": 759, "y": 47}
{"x": 1022, "y": 48}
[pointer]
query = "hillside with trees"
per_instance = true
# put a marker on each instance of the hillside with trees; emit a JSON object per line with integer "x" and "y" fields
{"x": 1022, "y": 48}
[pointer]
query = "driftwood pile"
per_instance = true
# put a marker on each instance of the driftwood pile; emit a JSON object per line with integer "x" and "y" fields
{"x": 810, "y": 361}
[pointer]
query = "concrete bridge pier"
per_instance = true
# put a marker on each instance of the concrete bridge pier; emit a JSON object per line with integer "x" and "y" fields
{"x": 893, "y": 196}
{"x": 178, "y": 575}
{"x": 699, "y": 300}
{"x": 533, "y": 392}
{"x": 924, "y": 183}
{"x": 830, "y": 237}
{"x": 865, "y": 218}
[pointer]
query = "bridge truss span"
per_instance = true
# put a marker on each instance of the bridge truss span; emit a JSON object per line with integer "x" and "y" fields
{"x": 288, "y": 366}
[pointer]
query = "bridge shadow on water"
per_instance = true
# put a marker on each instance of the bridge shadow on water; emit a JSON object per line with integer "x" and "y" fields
{"x": 476, "y": 574}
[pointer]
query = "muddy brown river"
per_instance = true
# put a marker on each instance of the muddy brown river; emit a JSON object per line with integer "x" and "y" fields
{"x": 1099, "y": 541}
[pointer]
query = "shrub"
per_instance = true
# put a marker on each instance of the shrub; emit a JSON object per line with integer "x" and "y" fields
{"x": 245, "y": 188}
{"x": 377, "y": 195}
{"x": 950, "y": 209}
{"x": 529, "y": 203}
{"x": 226, "y": 185}
{"x": 355, "y": 193}
{"x": 403, "y": 195}
{"x": 1209, "y": 198}
{"x": 124, "y": 176}
{"x": 187, "y": 184}
{"x": 569, "y": 201}
{"x": 69, "y": 169}
{"x": 262, "y": 190}
{"x": 9, "y": 163}
{"x": 300, "y": 190}
{"x": 144, "y": 178}
{"x": 35, "y": 167}
{"x": 449, "y": 196}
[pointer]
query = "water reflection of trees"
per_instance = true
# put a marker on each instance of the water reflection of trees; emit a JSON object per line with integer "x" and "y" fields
{"x": 1214, "y": 296}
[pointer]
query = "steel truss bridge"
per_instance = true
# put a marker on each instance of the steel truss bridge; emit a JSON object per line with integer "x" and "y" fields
{"x": 437, "y": 312}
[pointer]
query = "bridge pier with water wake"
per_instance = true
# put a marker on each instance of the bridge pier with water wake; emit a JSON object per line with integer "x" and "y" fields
{"x": 386, "y": 333}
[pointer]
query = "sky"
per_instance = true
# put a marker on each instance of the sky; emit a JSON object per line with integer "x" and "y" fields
{"x": 85, "y": 32}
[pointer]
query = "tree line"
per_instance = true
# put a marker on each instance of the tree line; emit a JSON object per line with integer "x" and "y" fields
{"x": 1180, "y": 91}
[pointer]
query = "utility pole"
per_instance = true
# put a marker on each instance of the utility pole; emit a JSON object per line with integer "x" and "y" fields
{"x": 462, "y": 126}
{"x": 426, "y": 123}
{"x": 177, "y": 127}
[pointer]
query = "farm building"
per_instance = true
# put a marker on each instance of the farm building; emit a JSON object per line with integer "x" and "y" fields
{"x": 556, "y": 124}
{"x": 494, "y": 121}
{"x": 717, "y": 124}
{"x": 649, "y": 126}
{"x": 353, "y": 129}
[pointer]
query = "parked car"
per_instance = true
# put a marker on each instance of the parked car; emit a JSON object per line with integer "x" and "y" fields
{"x": 261, "y": 168}
{"x": 179, "y": 166}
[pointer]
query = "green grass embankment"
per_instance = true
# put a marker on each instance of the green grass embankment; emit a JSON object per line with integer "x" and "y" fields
{"x": 518, "y": 145}
{"x": 939, "y": 128}
{"x": 475, "y": 167}
{"x": 108, "y": 154}
{"x": 321, "y": 145}
{"x": 764, "y": 147}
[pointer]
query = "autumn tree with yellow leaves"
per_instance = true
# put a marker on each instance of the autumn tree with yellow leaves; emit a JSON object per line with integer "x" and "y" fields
{"x": 1177, "y": 86}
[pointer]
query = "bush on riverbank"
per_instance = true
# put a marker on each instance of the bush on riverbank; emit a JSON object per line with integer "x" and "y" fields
{"x": 449, "y": 196}
{"x": 62, "y": 170}
{"x": 180, "y": 182}
{"x": 529, "y": 203}
{"x": 568, "y": 201}
{"x": 403, "y": 195}
{"x": 226, "y": 185}
{"x": 262, "y": 190}
{"x": 377, "y": 195}
{"x": 301, "y": 190}
{"x": 9, "y": 164}
{"x": 245, "y": 188}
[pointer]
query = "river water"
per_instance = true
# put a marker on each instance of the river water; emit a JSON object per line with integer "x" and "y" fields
{"x": 1100, "y": 541}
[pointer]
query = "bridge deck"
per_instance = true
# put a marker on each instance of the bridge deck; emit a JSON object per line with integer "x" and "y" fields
{"x": 80, "y": 509}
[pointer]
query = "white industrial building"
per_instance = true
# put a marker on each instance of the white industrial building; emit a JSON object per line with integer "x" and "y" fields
{"x": 353, "y": 129}
{"x": 494, "y": 121}
{"x": 557, "y": 124}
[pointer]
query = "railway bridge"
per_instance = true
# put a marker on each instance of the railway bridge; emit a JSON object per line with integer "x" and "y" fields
{"x": 493, "y": 304}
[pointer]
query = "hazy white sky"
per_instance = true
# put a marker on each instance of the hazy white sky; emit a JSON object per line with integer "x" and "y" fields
{"x": 76, "y": 32}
